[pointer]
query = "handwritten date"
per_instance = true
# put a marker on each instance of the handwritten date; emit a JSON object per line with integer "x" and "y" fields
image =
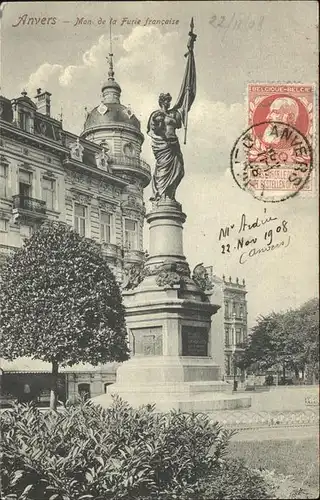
{"x": 236, "y": 23}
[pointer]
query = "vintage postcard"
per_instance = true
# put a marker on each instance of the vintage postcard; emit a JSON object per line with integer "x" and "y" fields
{"x": 178, "y": 142}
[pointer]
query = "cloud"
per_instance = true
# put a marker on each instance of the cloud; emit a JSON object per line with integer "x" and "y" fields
{"x": 43, "y": 76}
{"x": 148, "y": 53}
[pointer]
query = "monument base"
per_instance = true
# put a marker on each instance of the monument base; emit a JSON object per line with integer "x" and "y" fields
{"x": 173, "y": 382}
{"x": 168, "y": 317}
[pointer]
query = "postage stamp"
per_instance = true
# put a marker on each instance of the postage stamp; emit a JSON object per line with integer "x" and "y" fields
{"x": 277, "y": 153}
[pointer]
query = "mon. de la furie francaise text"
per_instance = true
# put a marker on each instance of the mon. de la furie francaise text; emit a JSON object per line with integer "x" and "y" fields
{"x": 26, "y": 20}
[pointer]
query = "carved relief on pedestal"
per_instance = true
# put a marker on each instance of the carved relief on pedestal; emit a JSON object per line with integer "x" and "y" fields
{"x": 168, "y": 278}
{"x": 132, "y": 276}
{"x": 147, "y": 341}
{"x": 181, "y": 268}
{"x": 201, "y": 278}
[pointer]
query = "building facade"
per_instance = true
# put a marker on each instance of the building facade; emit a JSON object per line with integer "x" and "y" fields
{"x": 229, "y": 324}
{"x": 93, "y": 182}
{"x": 235, "y": 325}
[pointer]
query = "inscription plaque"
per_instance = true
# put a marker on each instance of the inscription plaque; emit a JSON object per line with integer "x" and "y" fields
{"x": 194, "y": 341}
{"x": 147, "y": 341}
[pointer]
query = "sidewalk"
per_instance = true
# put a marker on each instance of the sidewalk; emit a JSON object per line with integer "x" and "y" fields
{"x": 273, "y": 433}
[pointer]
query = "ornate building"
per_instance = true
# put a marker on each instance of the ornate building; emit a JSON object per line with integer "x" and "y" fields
{"x": 93, "y": 182}
{"x": 229, "y": 324}
{"x": 235, "y": 323}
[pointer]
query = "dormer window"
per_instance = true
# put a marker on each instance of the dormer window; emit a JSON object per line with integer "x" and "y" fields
{"x": 25, "y": 121}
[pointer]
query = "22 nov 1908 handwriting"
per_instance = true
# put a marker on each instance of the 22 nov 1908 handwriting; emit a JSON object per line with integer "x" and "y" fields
{"x": 250, "y": 238}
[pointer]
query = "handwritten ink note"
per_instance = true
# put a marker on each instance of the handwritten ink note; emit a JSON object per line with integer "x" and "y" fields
{"x": 236, "y": 23}
{"x": 249, "y": 237}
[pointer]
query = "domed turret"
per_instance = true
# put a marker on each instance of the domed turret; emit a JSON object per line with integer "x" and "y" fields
{"x": 110, "y": 112}
{"x": 116, "y": 128}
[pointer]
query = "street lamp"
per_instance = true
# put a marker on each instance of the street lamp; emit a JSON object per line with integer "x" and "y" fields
{"x": 235, "y": 383}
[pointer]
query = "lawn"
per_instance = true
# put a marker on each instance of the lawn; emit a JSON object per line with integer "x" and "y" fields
{"x": 298, "y": 458}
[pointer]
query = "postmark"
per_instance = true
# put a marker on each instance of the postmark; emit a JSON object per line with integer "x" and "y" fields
{"x": 276, "y": 170}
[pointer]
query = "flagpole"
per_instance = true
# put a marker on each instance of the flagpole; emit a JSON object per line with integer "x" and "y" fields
{"x": 186, "y": 121}
{"x": 192, "y": 38}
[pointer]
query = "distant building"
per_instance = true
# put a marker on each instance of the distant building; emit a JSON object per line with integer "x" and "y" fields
{"x": 93, "y": 182}
{"x": 30, "y": 380}
{"x": 235, "y": 323}
{"x": 229, "y": 324}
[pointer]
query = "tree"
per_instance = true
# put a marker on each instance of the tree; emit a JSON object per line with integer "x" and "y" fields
{"x": 60, "y": 303}
{"x": 305, "y": 334}
{"x": 264, "y": 344}
{"x": 289, "y": 339}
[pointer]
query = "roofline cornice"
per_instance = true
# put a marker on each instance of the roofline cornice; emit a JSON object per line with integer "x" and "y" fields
{"x": 113, "y": 126}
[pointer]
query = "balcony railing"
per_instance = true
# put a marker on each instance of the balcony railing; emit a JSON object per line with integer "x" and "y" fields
{"x": 111, "y": 250}
{"x": 128, "y": 161}
{"x": 22, "y": 202}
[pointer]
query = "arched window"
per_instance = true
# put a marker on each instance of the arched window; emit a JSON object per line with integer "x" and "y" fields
{"x": 84, "y": 390}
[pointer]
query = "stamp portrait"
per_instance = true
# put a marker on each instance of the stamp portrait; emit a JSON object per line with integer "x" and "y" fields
{"x": 277, "y": 151}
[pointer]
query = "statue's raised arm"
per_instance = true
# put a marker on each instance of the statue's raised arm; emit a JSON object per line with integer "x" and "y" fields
{"x": 162, "y": 125}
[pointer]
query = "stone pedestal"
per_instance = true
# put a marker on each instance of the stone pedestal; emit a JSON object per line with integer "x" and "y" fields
{"x": 168, "y": 318}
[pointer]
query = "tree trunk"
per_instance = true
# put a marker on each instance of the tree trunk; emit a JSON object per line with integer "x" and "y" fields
{"x": 284, "y": 374}
{"x": 54, "y": 386}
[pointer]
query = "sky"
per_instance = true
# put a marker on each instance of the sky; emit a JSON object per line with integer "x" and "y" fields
{"x": 238, "y": 43}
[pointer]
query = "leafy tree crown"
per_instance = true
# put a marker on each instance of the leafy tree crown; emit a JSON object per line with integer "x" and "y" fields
{"x": 59, "y": 301}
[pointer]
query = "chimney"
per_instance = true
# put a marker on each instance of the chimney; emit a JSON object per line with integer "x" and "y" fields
{"x": 43, "y": 102}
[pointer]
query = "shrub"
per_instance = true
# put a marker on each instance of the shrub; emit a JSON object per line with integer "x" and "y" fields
{"x": 236, "y": 481}
{"x": 269, "y": 380}
{"x": 85, "y": 452}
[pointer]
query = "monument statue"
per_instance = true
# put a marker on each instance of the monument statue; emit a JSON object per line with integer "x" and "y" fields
{"x": 162, "y": 125}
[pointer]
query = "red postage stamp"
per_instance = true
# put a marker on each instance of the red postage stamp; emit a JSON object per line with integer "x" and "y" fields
{"x": 281, "y": 121}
